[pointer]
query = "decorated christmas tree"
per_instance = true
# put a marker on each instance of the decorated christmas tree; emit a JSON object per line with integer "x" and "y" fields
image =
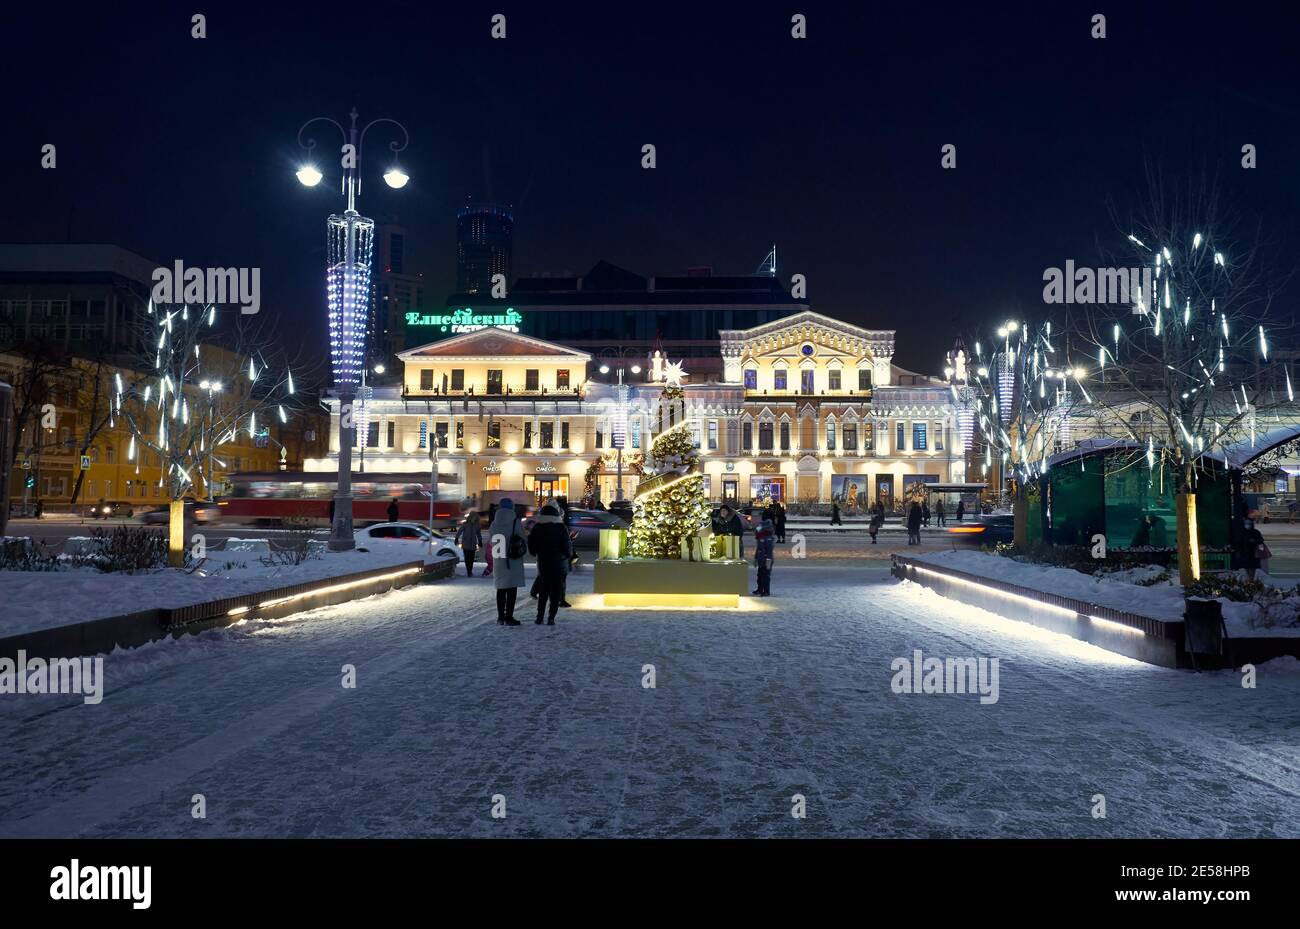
{"x": 671, "y": 506}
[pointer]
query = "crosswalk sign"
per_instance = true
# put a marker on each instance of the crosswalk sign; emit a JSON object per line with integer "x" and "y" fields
{"x": 27, "y": 464}
{"x": 85, "y": 462}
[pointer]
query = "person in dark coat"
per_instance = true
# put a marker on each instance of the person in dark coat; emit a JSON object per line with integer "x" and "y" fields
{"x": 469, "y": 537}
{"x": 914, "y": 524}
{"x": 961, "y": 510}
{"x": 925, "y": 513}
{"x": 727, "y": 522}
{"x": 392, "y": 511}
{"x": 549, "y": 541}
{"x": 877, "y": 520}
{"x": 938, "y": 512}
{"x": 1251, "y": 548}
{"x": 835, "y": 515}
{"x": 764, "y": 555}
{"x": 778, "y": 524}
{"x": 487, "y": 552}
{"x": 1143, "y": 535}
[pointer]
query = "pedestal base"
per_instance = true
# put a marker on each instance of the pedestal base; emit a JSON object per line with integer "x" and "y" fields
{"x": 648, "y": 583}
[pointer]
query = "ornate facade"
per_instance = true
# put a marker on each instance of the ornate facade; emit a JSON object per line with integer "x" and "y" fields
{"x": 809, "y": 409}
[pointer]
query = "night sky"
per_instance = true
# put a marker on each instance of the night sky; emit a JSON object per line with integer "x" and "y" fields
{"x": 829, "y": 147}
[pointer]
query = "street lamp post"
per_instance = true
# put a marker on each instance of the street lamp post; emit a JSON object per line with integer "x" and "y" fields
{"x": 620, "y": 438}
{"x": 350, "y": 245}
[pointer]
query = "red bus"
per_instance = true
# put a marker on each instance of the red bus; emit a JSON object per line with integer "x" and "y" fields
{"x": 269, "y": 497}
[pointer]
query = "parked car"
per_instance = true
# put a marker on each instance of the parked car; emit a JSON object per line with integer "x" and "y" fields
{"x": 381, "y": 535}
{"x": 195, "y": 511}
{"x": 983, "y": 530}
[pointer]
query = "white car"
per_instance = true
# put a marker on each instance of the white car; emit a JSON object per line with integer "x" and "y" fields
{"x": 383, "y": 535}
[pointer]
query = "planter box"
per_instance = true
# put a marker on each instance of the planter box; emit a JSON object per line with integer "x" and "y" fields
{"x": 635, "y": 582}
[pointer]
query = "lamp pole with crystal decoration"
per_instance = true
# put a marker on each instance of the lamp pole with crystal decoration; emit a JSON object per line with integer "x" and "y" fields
{"x": 350, "y": 246}
{"x": 619, "y": 432}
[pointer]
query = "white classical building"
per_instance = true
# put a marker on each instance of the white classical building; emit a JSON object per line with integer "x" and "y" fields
{"x": 809, "y": 409}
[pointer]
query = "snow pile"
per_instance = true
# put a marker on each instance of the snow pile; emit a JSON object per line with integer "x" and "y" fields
{"x": 1117, "y": 590}
{"x": 45, "y": 599}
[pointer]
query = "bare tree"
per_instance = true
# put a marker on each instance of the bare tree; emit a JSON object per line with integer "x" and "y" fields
{"x": 1187, "y": 365}
{"x": 1025, "y": 390}
{"x": 200, "y": 394}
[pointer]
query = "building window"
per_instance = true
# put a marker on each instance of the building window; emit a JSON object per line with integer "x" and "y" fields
{"x": 424, "y": 433}
{"x": 764, "y": 437}
{"x": 938, "y": 437}
{"x": 392, "y": 433}
{"x": 806, "y": 381}
{"x": 460, "y": 435}
{"x": 426, "y": 379}
{"x": 785, "y": 437}
{"x": 532, "y": 379}
{"x": 372, "y": 434}
{"x": 528, "y": 433}
{"x": 634, "y": 427}
{"x": 110, "y": 453}
{"x": 564, "y": 434}
{"x": 868, "y": 437}
{"x": 494, "y": 434}
{"x": 600, "y": 435}
{"x": 830, "y": 437}
{"x": 900, "y": 436}
{"x": 919, "y": 443}
{"x": 751, "y": 378}
{"x": 850, "y": 438}
{"x": 864, "y": 378}
{"x": 494, "y": 381}
{"x": 713, "y": 435}
{"x": 694, "y": 429}
{"x": 548, "y": 435}
{"x": 778, "y": 379}
{"x": 747, "y": 436}
{"x": 562, "y": 379}
{"x": 440, "y": 433}
{"x": 457, "y": 378}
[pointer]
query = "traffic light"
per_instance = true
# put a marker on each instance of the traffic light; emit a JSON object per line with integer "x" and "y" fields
{"x": 31, "y": 481}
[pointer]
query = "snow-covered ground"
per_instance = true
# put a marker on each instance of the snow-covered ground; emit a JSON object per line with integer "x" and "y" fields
{"x": 45, "y": 599}
{"x": 749, "y": 709}
{"x": 1158, "y": 601}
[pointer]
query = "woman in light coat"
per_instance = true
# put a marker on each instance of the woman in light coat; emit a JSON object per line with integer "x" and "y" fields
{"x": 507, "y": 572}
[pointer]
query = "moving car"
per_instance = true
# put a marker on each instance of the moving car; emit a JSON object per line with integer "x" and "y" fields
{"x": 983, "y": 530}
{"x": 585, "y": 525}
{"x": 381, "y": 535}
{"x": 195, "y": 511}
{"x": 108, "y": 510}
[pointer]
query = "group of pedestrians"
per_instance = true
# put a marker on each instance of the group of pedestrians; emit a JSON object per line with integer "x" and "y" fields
{"x": 548, "y": 542}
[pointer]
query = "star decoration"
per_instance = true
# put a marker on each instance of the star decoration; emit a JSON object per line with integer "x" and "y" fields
{"x": 675, "y": 373}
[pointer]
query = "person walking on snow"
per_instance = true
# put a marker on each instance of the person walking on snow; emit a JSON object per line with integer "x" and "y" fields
{"x": 487, "y": 552}
{"x": 914, "y": 524}
{"x": 764, "y": 555}
{"x": 779, "y": 523}
{"x": 506, "y": 534}
{"x": 877, "y": 520}
{"x": 961, "y": 509}
{"x": 925, "y": 513}
{"x": 938, "y": 512}
{"x": 470, "y": 539}
{"x": 549, "y": 541}
{"x": 835, "y": 515}
{"x": 392, "y": 511}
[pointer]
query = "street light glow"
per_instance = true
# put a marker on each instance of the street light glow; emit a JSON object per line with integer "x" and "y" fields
{"x": 396, "y": 178}
{"x": 604, "y": 369}
{"x": 309, "y": 176}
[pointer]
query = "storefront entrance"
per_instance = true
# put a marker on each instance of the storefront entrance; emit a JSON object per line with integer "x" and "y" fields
{"x": 885, "y": 490}
{"x": 546, "y": 486}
